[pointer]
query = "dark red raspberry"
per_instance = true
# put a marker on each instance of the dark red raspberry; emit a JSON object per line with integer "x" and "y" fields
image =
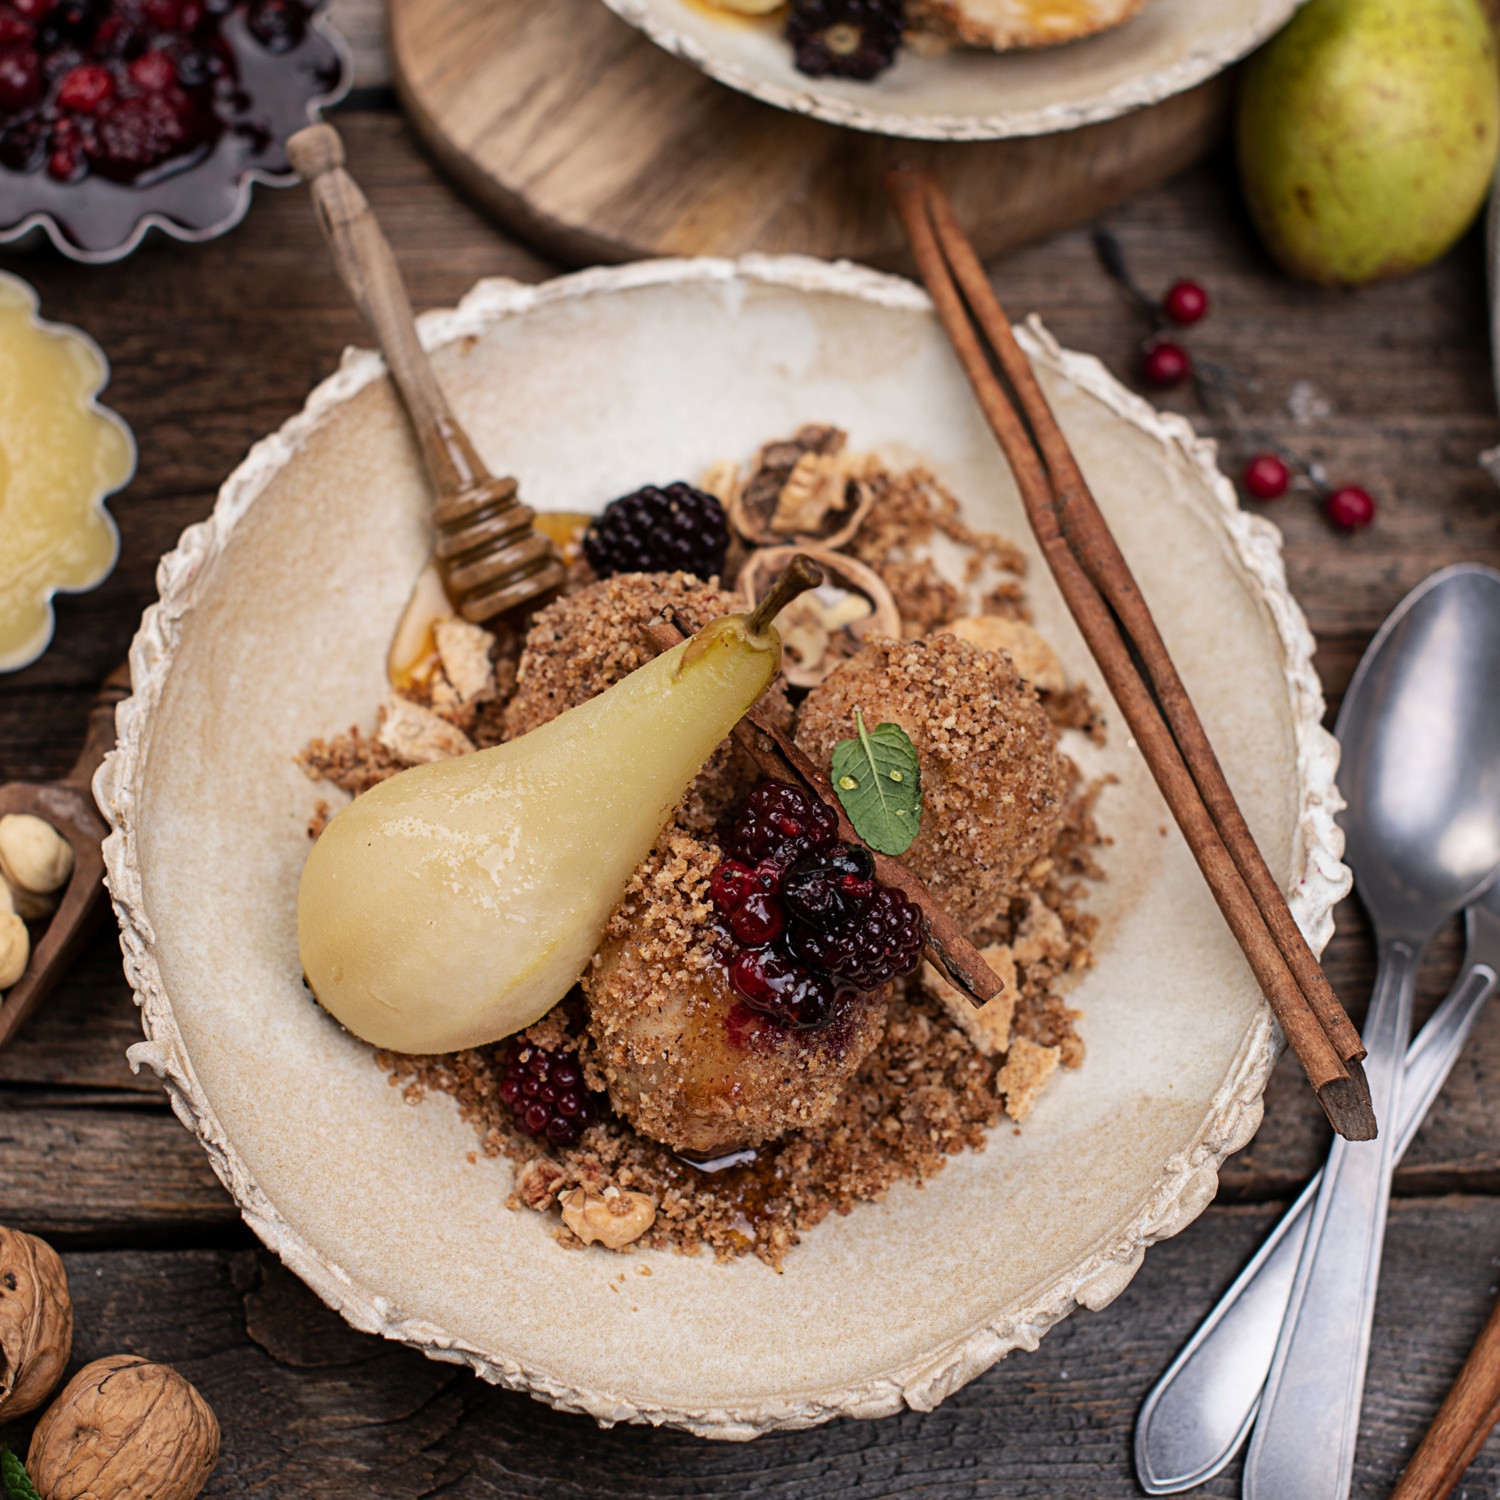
{"x": 546, "y": 1094}
{"x": 85, "y": 88}
{"x": 845, "y": 38}
{"x": 770, "y": 981}
{"x": 884, "y": 944}
{"x": 662, "y": 529}
{"x": 779, "y": 822}
{"x": 830, "y": 890}
{"x": 1186, "y": 302}
{"x": 14, "y": 28}
{"x": 153, "y": 71}
{"x": 137, "y": 134}
{"x": 1165, "y": 364}
{"x": 35, "y": 10}
{"x": 1350, "y": 507}
{"x": 1267, "y": 477}
{"x": 20, "y": 78}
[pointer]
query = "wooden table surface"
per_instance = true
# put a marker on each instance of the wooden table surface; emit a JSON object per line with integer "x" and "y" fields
{"x": 214, "y": 346}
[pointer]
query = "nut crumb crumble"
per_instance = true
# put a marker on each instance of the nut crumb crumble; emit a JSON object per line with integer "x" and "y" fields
{"x": 925, "y": 1075}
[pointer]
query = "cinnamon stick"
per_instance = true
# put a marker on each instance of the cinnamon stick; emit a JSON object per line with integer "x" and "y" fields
{"x": 1464, "y": 1420}
{"x": 1091, "y": 541}
{"x": 934, "y": 241}
{"x": 778, "y": 756}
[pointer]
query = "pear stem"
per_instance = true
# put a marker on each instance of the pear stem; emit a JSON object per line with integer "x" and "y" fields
{"x": 799, "y": 575}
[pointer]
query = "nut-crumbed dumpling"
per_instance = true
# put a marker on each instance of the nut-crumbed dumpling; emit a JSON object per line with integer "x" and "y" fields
{"x": 583, "y": 643}
{"x": 993, "y": 785}
{"x": 686, "y": 1061}
{"x": 1006, "y": 24}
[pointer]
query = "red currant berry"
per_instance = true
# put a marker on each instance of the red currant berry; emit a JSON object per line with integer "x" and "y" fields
{"x": 1185, "y": 302}
{"x": 1349, "y": 507}
{"x": 1165, "y": 364}
{"x": 85, "y": 88}
{"x": 1266, "y": 477}
{"x": 729, "y": 884}
{"x": 14, "y": 29}
{"x": 62, "y": 163}
{"x": 34, "y": 10}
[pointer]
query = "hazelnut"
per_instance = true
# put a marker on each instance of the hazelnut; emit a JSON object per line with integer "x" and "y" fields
{"x": 34, "y": 856}
{"x": 611, "y": 1218}
{"x": 36, "y": 1322}
{"x": 15, "y": 949}
{"x": 26, "y": 904}
{"x": 124, "y": 1427}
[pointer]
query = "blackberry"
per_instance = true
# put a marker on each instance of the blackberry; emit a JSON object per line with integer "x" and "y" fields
{"x": 845, "y": 38}
{"x": 884, "y": 944}
{"x": 828, "y": 891}
{"x": 779, "y": 822}
{"x": 771, "y": 981}
{"x": 546, "y": 1094}
{"x": 659, "y": 530}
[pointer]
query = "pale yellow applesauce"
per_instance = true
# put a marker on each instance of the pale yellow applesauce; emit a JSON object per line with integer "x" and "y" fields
{"x": 59, "y": 456}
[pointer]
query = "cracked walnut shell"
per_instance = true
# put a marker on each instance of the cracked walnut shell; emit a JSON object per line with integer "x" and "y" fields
{"x": 36, "y": 1322}
{"x": 124, "y": 1429}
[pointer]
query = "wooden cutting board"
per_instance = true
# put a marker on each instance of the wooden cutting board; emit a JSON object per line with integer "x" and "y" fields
{"x": 583, "y": 137}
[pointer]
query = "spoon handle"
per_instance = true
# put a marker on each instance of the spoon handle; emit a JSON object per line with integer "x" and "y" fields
{"x": 1199, "y": 1413}
{"x": 1303, "y": 1445}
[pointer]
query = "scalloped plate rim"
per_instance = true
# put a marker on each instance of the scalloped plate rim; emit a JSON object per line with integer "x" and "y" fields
{"x": 1189, "y": 1177}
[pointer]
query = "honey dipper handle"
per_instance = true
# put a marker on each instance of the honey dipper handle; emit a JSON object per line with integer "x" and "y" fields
{"x": 368, "y": 269}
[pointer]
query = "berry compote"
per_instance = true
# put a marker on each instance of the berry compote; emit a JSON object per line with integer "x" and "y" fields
{"x": 807, "y": 926}
{"x": 129, "y": 90}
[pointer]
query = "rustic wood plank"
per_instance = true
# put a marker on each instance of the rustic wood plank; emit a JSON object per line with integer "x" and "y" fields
{"x": 310, "y": 1407}
{"x": 82, "y": 1174}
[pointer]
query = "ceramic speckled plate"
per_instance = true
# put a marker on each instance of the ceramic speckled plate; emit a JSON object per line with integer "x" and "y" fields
{"x": 971, "y": 95}
{"x": 273, "y": 625}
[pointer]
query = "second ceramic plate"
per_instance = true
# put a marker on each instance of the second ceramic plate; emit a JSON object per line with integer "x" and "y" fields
{"x": 972, "y": 95}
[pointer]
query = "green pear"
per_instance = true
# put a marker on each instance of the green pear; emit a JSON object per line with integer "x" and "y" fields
{"x": 458, "y": 902}
{"x": 1367, "y": 133}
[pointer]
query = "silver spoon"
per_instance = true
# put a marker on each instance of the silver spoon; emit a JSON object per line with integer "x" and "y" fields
{"x": 1420, "y": 729}
{"x": 1198, "y": 1415}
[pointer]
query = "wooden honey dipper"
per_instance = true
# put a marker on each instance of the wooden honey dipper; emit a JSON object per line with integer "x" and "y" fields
{"x": 491, "y": 557}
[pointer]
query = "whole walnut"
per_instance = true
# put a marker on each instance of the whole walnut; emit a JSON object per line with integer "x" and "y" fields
{"x": 124, "y": 1429}
{"x": 36, "y": 1322}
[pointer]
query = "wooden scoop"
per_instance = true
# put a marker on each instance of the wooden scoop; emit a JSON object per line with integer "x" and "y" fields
{"x": 68, "y": 805}
{"x": 491, "y": 557}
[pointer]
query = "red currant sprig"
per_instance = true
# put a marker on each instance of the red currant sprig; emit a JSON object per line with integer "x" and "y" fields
{"x": 1268, "y": 476}
{"x": 1164, "y": 362}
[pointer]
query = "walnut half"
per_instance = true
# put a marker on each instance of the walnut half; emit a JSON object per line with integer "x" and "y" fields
{"x": 611, "y": 1218}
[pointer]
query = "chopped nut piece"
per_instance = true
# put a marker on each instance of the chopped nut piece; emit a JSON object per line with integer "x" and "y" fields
{"x": 465, "y": 653}
{"x": 611, "y": 1218}
{"x": 813, "y": 488}
{"x": 34, "y": 856}
{"x": 988, "y": 1027}
{"x": 1025, "y": 1075}
{"x": 417, "y": 736}
{"x": 1042, "y": 935}
{"x": 15, "y": 949}
{"x": 537, "y": 1182}
{"x": 1026, "y": 646}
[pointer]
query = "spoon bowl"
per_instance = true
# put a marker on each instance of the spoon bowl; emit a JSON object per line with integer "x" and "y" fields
{"x": 1420, "y": 728}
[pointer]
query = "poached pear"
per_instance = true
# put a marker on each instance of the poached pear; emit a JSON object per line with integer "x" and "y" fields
{"x": 1367, "y": 134}
{"x": 458, "y": 902}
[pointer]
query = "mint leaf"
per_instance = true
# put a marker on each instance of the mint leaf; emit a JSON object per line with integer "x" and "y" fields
{"x": 18, "y": 1483}
{"x": 878, "y": 779}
